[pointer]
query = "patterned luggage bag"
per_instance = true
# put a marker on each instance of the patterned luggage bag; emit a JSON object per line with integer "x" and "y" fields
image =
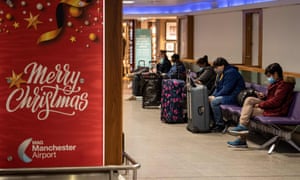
{"x": 172, "y": 101}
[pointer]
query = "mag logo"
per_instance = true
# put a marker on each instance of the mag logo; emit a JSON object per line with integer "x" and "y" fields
{"x": 47, "y": 91}
{"x": 31, "y": 149}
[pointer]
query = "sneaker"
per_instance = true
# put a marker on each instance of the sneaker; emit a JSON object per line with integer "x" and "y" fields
{"x": 238, "y": 143}
{"x": 131, "y": 98}
{"x": 239, "y": 130}
{"x": 218, "y": 128}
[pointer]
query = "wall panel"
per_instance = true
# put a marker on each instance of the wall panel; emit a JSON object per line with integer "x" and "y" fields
{"x": 113, "y": 82}
{"x": 218, "y": 35}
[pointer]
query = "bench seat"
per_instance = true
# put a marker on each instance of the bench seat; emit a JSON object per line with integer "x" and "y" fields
{"x": 273, "y": 125}
{"x": 232, "y": 108}
{"x": 277, "y": 120}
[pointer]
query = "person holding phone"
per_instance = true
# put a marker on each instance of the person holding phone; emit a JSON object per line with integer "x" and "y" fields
{"x": 275, "y": 103}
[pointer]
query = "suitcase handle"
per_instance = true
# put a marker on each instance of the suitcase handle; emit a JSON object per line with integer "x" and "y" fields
{"x": 200, "y": 110}
{"x": 140, "y": 63}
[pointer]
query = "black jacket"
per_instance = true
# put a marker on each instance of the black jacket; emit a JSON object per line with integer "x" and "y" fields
{"x": 164, "y": 67}
{"x": 207, "y": 77}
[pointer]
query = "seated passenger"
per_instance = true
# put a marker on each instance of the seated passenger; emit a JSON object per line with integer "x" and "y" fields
{"x": 229, "y": 83}
{"x": 164, "y": 65}
{"x": 275, "y": 103}
{"x": 206, "y": 74}
{"x": 177, "y": 70}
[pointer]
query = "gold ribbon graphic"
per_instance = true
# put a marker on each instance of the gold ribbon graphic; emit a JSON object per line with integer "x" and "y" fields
{"x": 50, "y": 35}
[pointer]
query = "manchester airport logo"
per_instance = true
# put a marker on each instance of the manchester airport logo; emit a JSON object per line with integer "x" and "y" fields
{"x": 31, "y": 149}
{"x": 21, "y": 151}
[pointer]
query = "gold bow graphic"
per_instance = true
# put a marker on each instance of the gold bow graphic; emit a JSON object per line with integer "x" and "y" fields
{"x": 50, "y": 35}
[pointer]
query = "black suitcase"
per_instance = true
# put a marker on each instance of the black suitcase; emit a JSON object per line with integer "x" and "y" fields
{"x": 197, "y": 108}
{"x": 141, "y": 67}
{"x": 151, "y": 90}
{"x": 137, "y": 84}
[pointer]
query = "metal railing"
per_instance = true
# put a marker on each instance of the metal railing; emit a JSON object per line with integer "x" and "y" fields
{"x": 130, "y": 165}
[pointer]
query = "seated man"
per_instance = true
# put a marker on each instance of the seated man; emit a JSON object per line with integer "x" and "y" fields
{"x": 177, "y": 70}
{"x": 206, "y": 74}
{"x": 275, "y": 103}
{"x": 229, "y": 84}
{"x": 164, "y": 65}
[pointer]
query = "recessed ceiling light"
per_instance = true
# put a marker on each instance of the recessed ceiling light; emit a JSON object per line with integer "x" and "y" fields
{"x": 128, "y": 2}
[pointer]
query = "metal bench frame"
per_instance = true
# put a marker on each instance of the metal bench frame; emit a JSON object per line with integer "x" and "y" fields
{"x": 278, "y": 132}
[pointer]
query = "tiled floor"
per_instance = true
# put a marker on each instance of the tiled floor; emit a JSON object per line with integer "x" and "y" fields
{"x": 170, "y": 152}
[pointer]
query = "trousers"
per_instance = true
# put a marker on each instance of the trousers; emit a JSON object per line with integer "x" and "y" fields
{"x": 248, "y": 110}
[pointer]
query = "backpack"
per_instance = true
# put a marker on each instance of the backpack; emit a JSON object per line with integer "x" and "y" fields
{"x": 249, "y": 92}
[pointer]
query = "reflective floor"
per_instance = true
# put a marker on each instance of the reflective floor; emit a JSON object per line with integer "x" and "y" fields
{"x": 170, "y": 152}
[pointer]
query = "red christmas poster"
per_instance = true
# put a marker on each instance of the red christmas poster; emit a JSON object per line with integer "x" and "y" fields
{"x": 51, "y": 83}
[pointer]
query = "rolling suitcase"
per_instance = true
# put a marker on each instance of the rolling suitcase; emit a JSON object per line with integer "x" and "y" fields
{"x": 151, "y": 90}
{"x": 197, "y": 109}
{"x": 137, "y": 84}
{"x": 172, "y": 101}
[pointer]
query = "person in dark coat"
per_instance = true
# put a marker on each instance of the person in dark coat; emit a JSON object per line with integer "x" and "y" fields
{"x": 276, "y": 103}
{"x": 229, "y": 83}
{"x": 177, "y": 70}
{"x": 206, "y": 74}
{"x": 164, "y": 64}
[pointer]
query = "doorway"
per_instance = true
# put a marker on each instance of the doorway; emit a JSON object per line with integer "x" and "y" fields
{"x": 252, "y": 37}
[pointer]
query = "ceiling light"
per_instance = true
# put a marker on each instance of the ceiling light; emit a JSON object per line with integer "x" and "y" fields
{"x": 128, "y": 2}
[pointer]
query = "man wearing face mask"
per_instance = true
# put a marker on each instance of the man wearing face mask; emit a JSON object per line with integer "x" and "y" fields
{"x": 164, "y": 64}
{"x": 206, "y": 74}
{"x": 275, "y": 103}
{"x": 229, "y": 83}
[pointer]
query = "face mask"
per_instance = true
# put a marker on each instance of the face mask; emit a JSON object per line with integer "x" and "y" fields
{"x": 161, "y": 60}
{"x": 271, "y": 80}
{"x": 219, "y": 71}
{"x": 201, "y": 69}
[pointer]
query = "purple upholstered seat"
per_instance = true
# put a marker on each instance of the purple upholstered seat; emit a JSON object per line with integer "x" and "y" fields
{"x": 293, "y": 117}
{"x": 224, "y": 106}
{"x": 260, "y": 88}
{"x": 232, "y": 108}
{"x": 248, "y": 85}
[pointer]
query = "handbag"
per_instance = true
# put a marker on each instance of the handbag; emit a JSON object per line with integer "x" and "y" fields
{"x": 249, "y": 92}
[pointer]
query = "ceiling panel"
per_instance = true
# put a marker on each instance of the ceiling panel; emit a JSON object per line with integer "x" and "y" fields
{"x": 214, "y": 2}
{"x": 179, "y": 7}
{"x": 164, "y": 2}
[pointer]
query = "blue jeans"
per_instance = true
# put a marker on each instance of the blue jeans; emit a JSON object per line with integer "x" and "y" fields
{"x": 216, "y": 110}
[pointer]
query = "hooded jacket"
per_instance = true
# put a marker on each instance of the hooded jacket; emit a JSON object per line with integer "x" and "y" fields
{"x": 177, "y": 71}
{"x": 279, "y": 98}
{"x": 229, "y": 84}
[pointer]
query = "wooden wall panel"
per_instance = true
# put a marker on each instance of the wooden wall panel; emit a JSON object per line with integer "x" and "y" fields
{"x": 186, "y": 34}
{"x": 113, "y": 82}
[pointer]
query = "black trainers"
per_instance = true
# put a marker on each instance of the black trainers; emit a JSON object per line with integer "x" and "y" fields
{"x": 218, "y": 128}
{"x": 238, "y": 143}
